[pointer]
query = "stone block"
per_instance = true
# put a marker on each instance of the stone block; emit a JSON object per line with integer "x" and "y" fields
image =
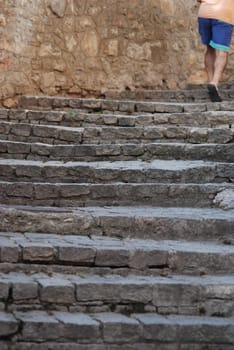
{"x": 126, "y": 106}
{"x": 38, "y": 326}
{"x": 220, "y": 136}
{"x": 21, "y": 130}
{"x": 213, "y": 330}
{"x": 29, "y": 171}
{"x": 78, "y": 255}
{"x": 143, "y": 258}
{"x": 41, "y": 150}
{"x": 8, "y": 325}
{"x": 120, "y": 133}
{"x": 154, "y": 133}
{"x": 5, "y": 128}
{"x": 172, "y": 132}
{"x": 37, "y": 252}
{"x": 96, "y": 289}
{"x": 20, "y": 190}
{"x": 23, "y": 291}
{"x": 119, "y": 328}
{"x": 109, "y": 105}
{"x": 4, "y": 289}
{"x": 28, "y": 101}
{"x": 4, "y": 345}
{"x": 195, "y": 107}
{"x": 157, "y": 328}
{"x": 10, "y": 253}
{"x": 45, "y": 131}
{"x": 126, "y": 121}
{"x": 79, "y": 327}
{"x": 4, "y": 114}
{"x": 72, "y": 191}
{"x": 110, "y": 120}
{"x": 110, "y": 256}
{"x": 91, "y": 133}
{"x": 46, "y": 191}
{"x": 56, "y": 102}
{"x": 175, "y": 294}
{"x": 71, "y": 135}
{"x": 145, "y": 120}
{"x": 92, "y": 104}
{"x": 56, "y": 291}
{"x": 145, "y": 107}
{"x": 105, "y": 150}
{"x": 18, "y": 148}
{"x": 3, "y": 147}
{"x": 15, "y": 114}
{"x": 168, "y": 108}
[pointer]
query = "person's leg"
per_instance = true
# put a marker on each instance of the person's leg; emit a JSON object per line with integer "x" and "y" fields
{"x": 215, "y": 62}
{"x": 206, "y": 32}
{"x": 219, "y": 66}
{"x": 220, "y": 43}
{"x": 210, "y": 59}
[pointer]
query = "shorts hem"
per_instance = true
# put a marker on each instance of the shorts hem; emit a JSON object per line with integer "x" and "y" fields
{"x": 219, "y": 46}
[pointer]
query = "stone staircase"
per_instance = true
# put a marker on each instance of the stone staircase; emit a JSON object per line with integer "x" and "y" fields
{"x": 112, "y": 235}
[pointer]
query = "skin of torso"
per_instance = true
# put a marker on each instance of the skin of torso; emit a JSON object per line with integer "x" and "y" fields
{"x": 217, "y": 9}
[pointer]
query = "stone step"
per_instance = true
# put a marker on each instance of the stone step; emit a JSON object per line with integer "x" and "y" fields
{"x": 112, "y": 105}
{"x": 108, "y": 255}
{"x": 180, "y": 295}
{"x": 189, "y": 95}
{"x": 78, "y": 118}
{"x": 196, "y": 224}
{"x": 40, "y": 330}
{"x": 137, "y": 171}
{"x": 223, "y": 85}
{"x": 115, "y": 193}
{"x": 6, "y": 345}
{"x": 90, "y": 152}
{"x": 96, "y": 135}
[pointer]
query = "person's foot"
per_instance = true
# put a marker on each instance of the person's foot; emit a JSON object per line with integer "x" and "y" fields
{"x": 213, "y": 93}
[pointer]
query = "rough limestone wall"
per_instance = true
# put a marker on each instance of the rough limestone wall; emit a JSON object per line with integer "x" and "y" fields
{"x": 84, "y": 47}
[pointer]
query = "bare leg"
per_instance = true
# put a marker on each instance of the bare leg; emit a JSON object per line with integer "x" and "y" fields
{"x": 215, "y": 63}
{"x": 210, "y": 57}
{"x": 219, "y": 66}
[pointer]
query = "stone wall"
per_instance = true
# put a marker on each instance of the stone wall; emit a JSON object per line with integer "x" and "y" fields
{"x": 85, "y": 47}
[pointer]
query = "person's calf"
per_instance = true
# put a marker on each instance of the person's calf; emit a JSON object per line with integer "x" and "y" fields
{"x": 219, "y": 67}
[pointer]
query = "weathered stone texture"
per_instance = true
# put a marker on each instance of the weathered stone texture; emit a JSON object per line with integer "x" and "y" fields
{"x": 87, "y": 47}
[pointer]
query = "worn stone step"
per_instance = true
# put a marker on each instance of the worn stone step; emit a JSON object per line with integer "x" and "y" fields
{"x": 146, "y": 222}
{"x": 6, "y": 345}
{"x": 40, "y": 330}
{"x": 223, "y": 85}
{"x": 182, "y": 295}
{"x": 127, "y": 106}
{"x": 91, "y": 152}
{"x": 115, "y": 193}
{"x": 126, "y": 255}
{"x": 86, "y": 135}
{"x": 79, "y": 118}
{"x": 165, "y": 171}
{"x": 188, "y": 95}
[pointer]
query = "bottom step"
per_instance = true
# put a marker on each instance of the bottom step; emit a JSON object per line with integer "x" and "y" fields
{"x": 19, "y": 329}
{"x": 135, "y": 346}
